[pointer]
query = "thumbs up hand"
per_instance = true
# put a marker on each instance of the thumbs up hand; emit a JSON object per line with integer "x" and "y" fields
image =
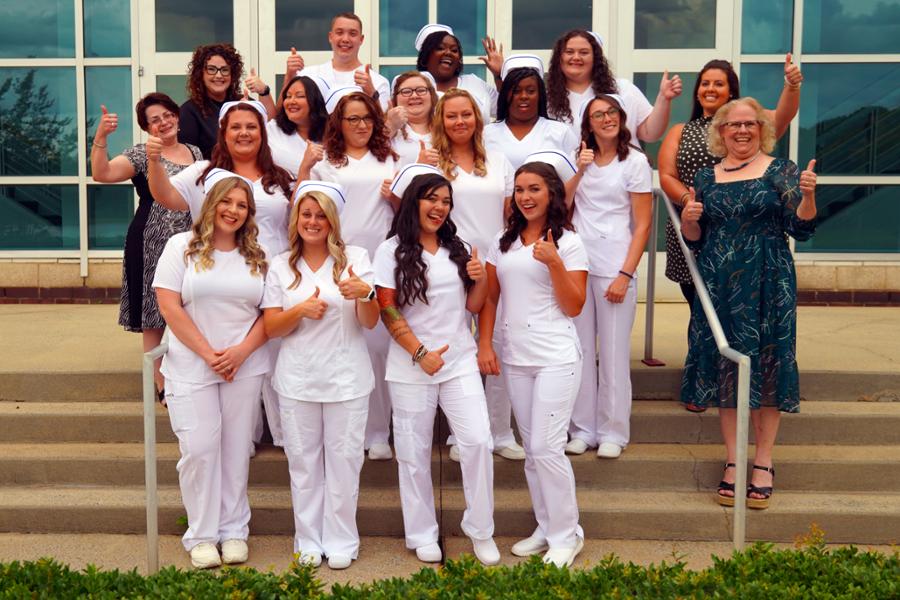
{"x": 432, "y": 362}
{"x": 397, "y": 118}
{"x": 808, "y": 180}
{"x": 254, "y": 83}
{"x": 545, "y": 250}
{"x": 314, "y": 153}
{"x": 427, "y": 155}
{"x": 109, "y": 122}
{"x": 154, "y": 145}
{"x": 353, "y": 288}
{"x": 313, "y": 307}
{"x": 474, "y": 268}
{"x": 792, "y": 75}
{"x": 363, "y": 78}
{"x": 692, "y": 210}
{"x": 670, "y": 88}
{"x": 294, "y": 63}
{"x": 585, "y": 157}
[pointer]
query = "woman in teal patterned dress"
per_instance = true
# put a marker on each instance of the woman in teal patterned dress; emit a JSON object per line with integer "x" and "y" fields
{"x": 739, "y": 215}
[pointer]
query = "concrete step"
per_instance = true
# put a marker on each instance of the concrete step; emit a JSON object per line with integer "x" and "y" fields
{"x": 844, "y": 517}
{"x": 641, "y": 467}
{"x": 830, "y": 423}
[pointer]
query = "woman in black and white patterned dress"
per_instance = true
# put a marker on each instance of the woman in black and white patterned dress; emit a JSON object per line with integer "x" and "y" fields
{"x": 152, "y": 224}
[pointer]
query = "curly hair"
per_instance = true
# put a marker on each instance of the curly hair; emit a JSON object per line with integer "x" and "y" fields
{"x": 432, "y": 43}
{"x": 557, "y": 218}
{"x": 273, "y": 175}
{"x": 336, "y": 147}
{"x": 203, "y": 230}
{"x": 623, "y": 145}
{"x": 410, "y": 274}
{"x": 336, "y": 246}
{"x": 512, "y": 81}
{"x": 734, "y": 84}
{"x": 153, "y": 99}
{"x": 602, "y": 79}
{"x": 441, "y": 143}
{"x": 766, "y": 132}
{"x": 197, "y": 90}
{"x": 401, "y": 78}
{"x": 318, "y": 116}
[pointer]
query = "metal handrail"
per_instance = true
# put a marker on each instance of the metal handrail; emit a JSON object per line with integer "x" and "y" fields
{"x": 650, "y": 303}
{"x": 150, "y": 490}
{"x": 743, "y": 395}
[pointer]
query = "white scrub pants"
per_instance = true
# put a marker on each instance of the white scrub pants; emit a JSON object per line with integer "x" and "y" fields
{"x": 270, "y": 402}
{"x": 378, "y": 425}
{"x": 462, "y": 400}
{"x": 214, "y": 425}
{"x": 324, "y": 447}
{"x": 542, "y": 399}
{"x": 603, "y": 406}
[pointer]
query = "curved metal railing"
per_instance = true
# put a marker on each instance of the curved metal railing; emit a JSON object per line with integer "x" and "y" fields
{"x": 150, "y": 490}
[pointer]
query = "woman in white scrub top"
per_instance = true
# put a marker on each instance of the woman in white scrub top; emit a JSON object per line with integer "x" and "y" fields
{"x": 522, "y": 124}
{"x": 427, "y": 284}
{"x": 300, "y": 119}
{"x": 209, "y": 283}
{"x": 357, "y": 155}
{"x": 612, "y": 215}
{"x": 540, "y": 258}
{"x": 579, "y": 71}
{"x": 242, "y": 147}
{"x": 319, "y": 298}
{"x": 414, "y": 99}
{"x": 482, "y": 186}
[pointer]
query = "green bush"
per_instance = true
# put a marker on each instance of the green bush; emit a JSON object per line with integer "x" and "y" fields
{"x": 758, "y": 572}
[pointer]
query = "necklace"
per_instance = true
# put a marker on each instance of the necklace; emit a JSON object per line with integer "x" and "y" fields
{"x": 742, "y": 165}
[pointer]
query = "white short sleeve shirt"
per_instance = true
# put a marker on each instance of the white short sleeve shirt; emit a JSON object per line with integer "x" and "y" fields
{"x": 336, "y": 79}
{"x": 484, "y": 94}
{"x": 545, "y": 134}
{"x": 408, "y": 148}
{"x": 287, "y": 148}
{"x": 478, "y": 202}
{"x": 637, "y": 107}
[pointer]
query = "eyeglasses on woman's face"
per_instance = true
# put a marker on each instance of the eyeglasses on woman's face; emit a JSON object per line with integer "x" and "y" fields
{"x": 356, "y": 121}
{"x": 213, "y": 70}
{"x": 738, "y": 125}
{"x": 612, "y": 112}
{"x": 409, "y": 91}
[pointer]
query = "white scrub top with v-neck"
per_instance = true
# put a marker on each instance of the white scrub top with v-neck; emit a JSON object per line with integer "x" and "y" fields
{"x": 287, "y": 148}
{"x": 443, "y": 320}
{"x": 408, "y": 148}
{"x": 321, "y": 360}
{"x": 637, "y": 107}
{"x": 478, "y": 202}
{"x": 484, "y": 94}
{"x": 272, "y": 209}
{"x": 545, "y": 135}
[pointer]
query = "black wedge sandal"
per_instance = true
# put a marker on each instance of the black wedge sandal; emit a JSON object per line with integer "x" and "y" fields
{"x": 765, "y": 492}
{"x": 724, "y": 486}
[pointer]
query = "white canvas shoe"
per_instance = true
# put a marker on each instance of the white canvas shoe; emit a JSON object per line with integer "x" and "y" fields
{"x": 380, "y": 452}
{"x": 563, "y": 557}
{"x": 430, "y": 553}
{"x": 339, "y": 561}
{"x": 576, "y": 446}
{"x": 609, "y": 450}
{"x": 310, "y": 558}
{"x": 454, "y": 453}
{"x": 530, "y": 546}
{"x": 511, "y": 452}
{"x": 486, "y": 551}
{"x": 205, "y": 556}
{"x": 234, "y": 551}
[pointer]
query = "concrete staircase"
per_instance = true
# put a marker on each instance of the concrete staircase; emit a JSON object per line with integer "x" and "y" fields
{"x": 71, "y": 460}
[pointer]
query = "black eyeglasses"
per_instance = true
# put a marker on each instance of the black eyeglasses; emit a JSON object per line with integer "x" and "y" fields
{"x": 212, "y": 70}
{"x": 355, "y": 120}
{"x": 408, "y": 91}
{"x": 599, "y": 115}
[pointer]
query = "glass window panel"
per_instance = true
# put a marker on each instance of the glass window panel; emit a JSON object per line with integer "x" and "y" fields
{"x": 110, "y": 86}
{"x": 38, "y": 126}
{"x": 856, "y": 218}
{"x": 391, "y": 71}
{"x": 182, "y": 26}
{"x": 851, "y": 27}
{"x": 468, "y": 18}
{"x": 648, "y": 83}
{"x": 399, "y": 22}
{"x": 110, "y": 209}
{"x": 39, "y": 217}
{"x": 765, "y": 83}
{"x": 107, "y": 28}
{"x": 850, "y": 118}
{"x": 767, "y": 26}
{"x": 537, "y": 24}
{"x": 38, "y": 29}
{"x": 304, "y": 24}
{"x": 667, "y": 24}
{"x": 174, "y": 86}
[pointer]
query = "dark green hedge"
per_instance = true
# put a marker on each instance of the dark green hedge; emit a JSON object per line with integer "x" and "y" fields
{"x": 758, "y": 572}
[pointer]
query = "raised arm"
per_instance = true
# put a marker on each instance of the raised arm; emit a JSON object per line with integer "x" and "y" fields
{"x": 654, "y": 126}
{"x": 263, "y": 92}
{"x": 162, "y": 189}
{"x": 104, "y": 170}
{"x": 582, "y": 161}
{"x": 789, "y": 101}
{"x": 478, "y": 292}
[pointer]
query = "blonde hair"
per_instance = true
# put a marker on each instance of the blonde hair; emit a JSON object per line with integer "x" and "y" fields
{"x": 766, "y": 133}
{"x": 441, "y": 143}
{"x": 201, "y": 243}
{"x": 335, "y": 244}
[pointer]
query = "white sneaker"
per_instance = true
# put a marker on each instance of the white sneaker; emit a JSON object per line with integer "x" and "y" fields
{"x": 454, "y": 453}
{"x": 339, "y": 561}
{"x": 205, "y": 556}
{"x": 511, "y": 452}
{"x": 486, "y": 551}
{"x": 310, "y": 558}
{"x": 563, "y": 557}
{"x": 234, "y": 551}
{"x": 430, "y": 553}
{"x": 609, "y": 450}
{"x": 576, "y": 446}
{"x": 530, "y": 545}
{"x": 380, "y": 452}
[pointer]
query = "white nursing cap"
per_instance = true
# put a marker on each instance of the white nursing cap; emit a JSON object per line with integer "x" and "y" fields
{"x": 406, "y": 175}
{"x": 587, "y": 103}
{"x": 335, "y": 191}
{"x": 423, "y": 74}
{"x": 255, "y": 104}
{"x": 332, "y": 99}
{"x": 323, "y": 86}
{"x": 428, "y": 30}
{"x": 556, "y": 159}
{"x": 518, "y": 61}
{"x": 597, "y": 37}
{"x": 216, "y": 175}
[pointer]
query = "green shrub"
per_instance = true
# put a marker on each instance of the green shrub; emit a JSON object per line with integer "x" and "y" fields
{"x": 758, "y": 572}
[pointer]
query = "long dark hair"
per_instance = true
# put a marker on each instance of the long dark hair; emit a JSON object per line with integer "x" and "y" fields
{"x": 318, "y": 116}
{"x": 623, "y": 144}
{"x": 557, "y": 214}
{"x": 335, "y": 145}
{"x": 410, "y": 274}
{"x": 195, "y": 87}
{"x": 509, "y": 85}
{"x": 602, "y": 79}
{"x": 734, "y": 84}
{"x": 432, "y": 43}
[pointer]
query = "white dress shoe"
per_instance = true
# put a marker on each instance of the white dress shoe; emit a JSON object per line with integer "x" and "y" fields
{"x": 339, "y": 561}
{"x": 205, "y": 556}
{"x": 530, "y": 545}
{"x": 454, "y": 453}
{"x": 430, "y": 553}
{"x": 486, "y": 551}
{"x": 234, "y": 551}
{"x": 511, "y": 452}
{"x": 380, "y": 452}
{"x": 609, "y": 450}
{"x": 310, "y": 558}
{"x": 563, "y": 557}
{"x": 576, "y": 446}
